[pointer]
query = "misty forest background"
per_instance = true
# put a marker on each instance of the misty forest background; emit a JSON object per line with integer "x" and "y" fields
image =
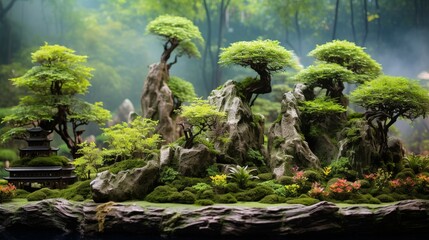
{"x": 112, "y": 34}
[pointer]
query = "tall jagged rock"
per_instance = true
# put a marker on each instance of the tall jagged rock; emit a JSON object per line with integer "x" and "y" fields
{"x": 244, "y": 130}
{"x": 157, "y": 101}
{"x": 286, "y": 144}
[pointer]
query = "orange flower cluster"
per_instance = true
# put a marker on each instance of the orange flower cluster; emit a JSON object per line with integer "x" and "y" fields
{"x": 7, "y": 192}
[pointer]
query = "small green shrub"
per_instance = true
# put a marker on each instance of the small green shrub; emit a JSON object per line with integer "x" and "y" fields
{"x": 313, "y": 176}
{"x": 201, "y": 187}
{"x": 272, "y": 199}
{"x": 43, "y": 193}
{"x": 241, "y": 175}
{"x": 161, "y": 194}
{"x": 404, "y": 173}
{"x": 285, "y": 180}
{"x": 81, "y": 188}
{"x": 168, "y": 174}
{"x": 204, "y": 202}
{"x": 254, "y": 194}
{"x": 207, "y": 194}
{"x": 8, "y": 155}
{"x": 21, "y": 193}
{"x": 213, "y": 170}
{"x": 265, "y": 176}
{"x": 226, "y": 198}
{"x": 3, "y": 182}
{"x": 182, "y": 182}
{"x": 232, "y": 187}
{"x": 36, "y": 196}
{"x": 182, "y": 197}
{"x": 385, "y": 198}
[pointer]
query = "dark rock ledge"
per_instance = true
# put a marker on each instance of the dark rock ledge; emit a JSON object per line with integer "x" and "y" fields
{"x": 97, "y": 220}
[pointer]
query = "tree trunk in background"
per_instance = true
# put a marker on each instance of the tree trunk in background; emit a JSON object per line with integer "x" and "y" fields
{"x": 365, "y": 19}
{"x": 208, "y": 51}
{"x": 334, "y": 28}
{"x": 6, "y": 36}
{"x": 298, "y": 32}
{"x": 352, "y": 21}
{"x": 218, "y": 73}
{"x": 377, "y": 9}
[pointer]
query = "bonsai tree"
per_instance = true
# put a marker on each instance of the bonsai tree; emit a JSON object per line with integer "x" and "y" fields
{"x": 201, "y": 117}
{"x": 177, "y": 33}
{"x": 136, "y": 139}
{"x": 338, "y": 62}
{"x": 157, "y": 101}
{"x": 263, "y": 56}
{"x": 53, "y": 87}
{"x": 350, "y": 56}
{"x": 388, "y": 98}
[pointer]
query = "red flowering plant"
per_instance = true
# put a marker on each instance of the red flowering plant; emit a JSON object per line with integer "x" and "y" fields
{"x": 7, "y": 192}
{"x": 299, "y": 176}
{"x": 343, "y": 189}
{"x": 403, "y": 185}
{"x": 317, "y": 191}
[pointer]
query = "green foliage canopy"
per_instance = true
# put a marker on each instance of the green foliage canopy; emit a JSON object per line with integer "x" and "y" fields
{"x": 260, "y": 55}
{"x": 320, "y": 108}
{"x": 350, "y": 56}
{"x": 393, "y": 97}
{"x": 183, "y": 91}
{"x": 329, "y": 76}
{"x": 177, "y": 32}
{"x": 263, "y": 56}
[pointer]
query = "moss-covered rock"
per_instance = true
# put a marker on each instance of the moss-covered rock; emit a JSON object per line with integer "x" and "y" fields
{"x": 272, "y": 199}
{"x": 254, "y": 194}
{"x": 226, "y": 198}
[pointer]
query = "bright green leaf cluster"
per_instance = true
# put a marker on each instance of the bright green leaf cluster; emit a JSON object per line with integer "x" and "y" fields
{"x": 180, "y": 29}
{"x": 350, "y": 56}
{"x": 258, "y": 54}
{"x": 91, "y": 160}
{"x": 182, "y": 90}
{"x": 324, "y": 75}
{"x": 320, "y": 108}
{"x": 136, "y": 139}
{"x": 393, "y": 96}
{"x": 202, "y": 115}
{"x": 59, "y": 71}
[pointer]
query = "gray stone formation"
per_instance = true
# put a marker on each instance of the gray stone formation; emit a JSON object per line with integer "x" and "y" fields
{"x": 286, "y": 144}
{"x": 129, "y": 184}
{"x": 122, "y": 113}
{"x": 244, "y": 130}
{"x": 321, "y": 220}
{"x": 192, "y": 162}
{"x": 157, "y": 102}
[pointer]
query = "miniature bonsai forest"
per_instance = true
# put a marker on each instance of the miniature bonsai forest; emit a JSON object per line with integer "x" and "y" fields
{"x": 328, "y": 136}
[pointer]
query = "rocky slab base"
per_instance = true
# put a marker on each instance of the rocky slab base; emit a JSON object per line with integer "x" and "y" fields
{"x": 324, "y": 218}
